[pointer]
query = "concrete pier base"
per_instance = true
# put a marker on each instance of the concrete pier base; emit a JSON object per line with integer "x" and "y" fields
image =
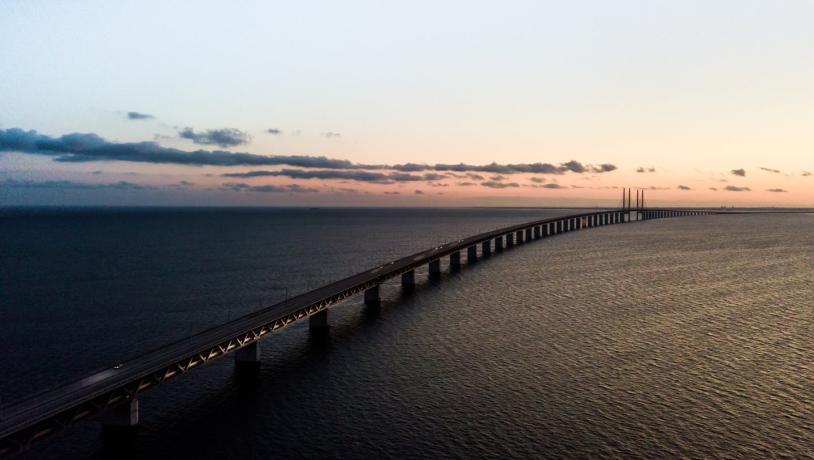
{"x": 435, "y": 269}
{"x": 124, "y": 415}
{"x": 408, "y": 280}
{"x": 499, "y": 244}
{"x": 455, "y": 260}
{"x": 471, "y": 254}
{"x": 528, "y": 234}
{"x": 249, "y": 355}
{"x": 486, "y": 248}
{"x": 372, "y": 296}
{"x": 518, "y": 237}
{"x": 319, "y": 320}
{"x": 509, "y": 240}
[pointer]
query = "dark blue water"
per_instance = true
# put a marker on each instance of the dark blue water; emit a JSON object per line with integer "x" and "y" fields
{"x": 682, "y": 337}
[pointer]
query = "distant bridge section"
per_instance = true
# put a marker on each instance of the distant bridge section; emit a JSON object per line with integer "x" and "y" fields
{"x": 111, "y": 395}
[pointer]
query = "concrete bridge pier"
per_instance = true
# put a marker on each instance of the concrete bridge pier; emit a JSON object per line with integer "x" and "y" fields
{"x": 560, "y": 226}
{"x": 518, "y": 237}
{"x": 408, "y": 280}
{"x": 471, "y": 254}
{"x": 455, "y": 260}
{"x": 509, "y": 240}
{"x": 486, "y": 248}
{"x": 435, "y": 269}
{"x": 249, "y": 355}
{"x": 372, "y": 298}
{"x": 499, "y": 243}
{"x": 528, "y": 234}
{"x": 120, "y": 416}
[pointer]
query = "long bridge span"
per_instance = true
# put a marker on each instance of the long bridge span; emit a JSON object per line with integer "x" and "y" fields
{"x": 111, "y": 395}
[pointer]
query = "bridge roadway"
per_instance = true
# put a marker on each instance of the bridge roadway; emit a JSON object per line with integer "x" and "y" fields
{"x": 114, "y": 391}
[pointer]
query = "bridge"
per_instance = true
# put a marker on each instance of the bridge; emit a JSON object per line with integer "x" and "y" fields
{"x": 111, "y": 395}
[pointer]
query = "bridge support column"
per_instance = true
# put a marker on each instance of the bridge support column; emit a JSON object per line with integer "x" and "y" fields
{"x": 319, "y": 320}
{"x": 499, "y": 243}
{"x": 518, "y": 237}
{"x": 455, "y": 260}
{"x": 435, "y": 269}
{"x": 509, "y": 240}
{"x": 124, "y": 415}
{"x": 471, "y": 254}
{"x": 528, "y": 234}
{"x": 559, "y": 226}
{"x": 486, "y": 248}
{"x": 249, "y": 355}
{"x": 371, "y": 298}
{"x": 408, "y": 280}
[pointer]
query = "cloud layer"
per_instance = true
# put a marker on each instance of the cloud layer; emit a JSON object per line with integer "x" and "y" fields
{"x": 87, "y": 147}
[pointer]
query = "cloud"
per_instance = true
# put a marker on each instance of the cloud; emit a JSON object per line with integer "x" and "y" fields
{"x": 466, "y": 184}
{"x": 805, "y": 174}
{"x": 733, "y": 188}
{"x": 683, "y": 187}
{"x": 497, "y": 178}
{"x": 537, "y": 180}
{"x": 330, "y": 135}
{"x": 87, "y": 147}
{"x": 776, "y": 171}
{"x": 777, "y": 190}
{"x": 642, "y": 169}
{"x": 495, "y": 168}
{"x": 79, "y": 147}
{"x": 392, "y": 193}
{"x": 495, "y": 184}
{"x": 225, "y": 137}
{"x": 433, "y": 176}
{"x": 713, "y": 189}
{"x": 739, "y": 172}
{"x": 138, "y": 116}
{"x": 274, "y": 131}
{"x": 290, "y": 188}
{"x": 354, "y": 175}
{"x": 66, "y": 184}
{"x": 419, "y": 192}
{"x": 552, "y": 185}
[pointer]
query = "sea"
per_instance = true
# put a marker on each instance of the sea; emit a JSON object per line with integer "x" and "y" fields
{"x": 688, "y": 337}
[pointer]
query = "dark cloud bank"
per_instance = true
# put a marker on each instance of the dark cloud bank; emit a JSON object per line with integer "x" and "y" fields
{"x": 88, "y": 147}
{"x": 243, "y": 187}
{"x": 72, "y": 185}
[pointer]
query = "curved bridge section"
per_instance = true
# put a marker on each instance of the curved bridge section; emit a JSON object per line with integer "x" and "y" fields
{"x": 112, "y": 394}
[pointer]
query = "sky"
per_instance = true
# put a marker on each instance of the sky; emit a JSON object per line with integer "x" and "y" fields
{"x": 357, "y": 103}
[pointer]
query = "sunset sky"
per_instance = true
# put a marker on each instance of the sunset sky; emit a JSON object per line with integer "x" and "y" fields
{"x": 701, "y": 103}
